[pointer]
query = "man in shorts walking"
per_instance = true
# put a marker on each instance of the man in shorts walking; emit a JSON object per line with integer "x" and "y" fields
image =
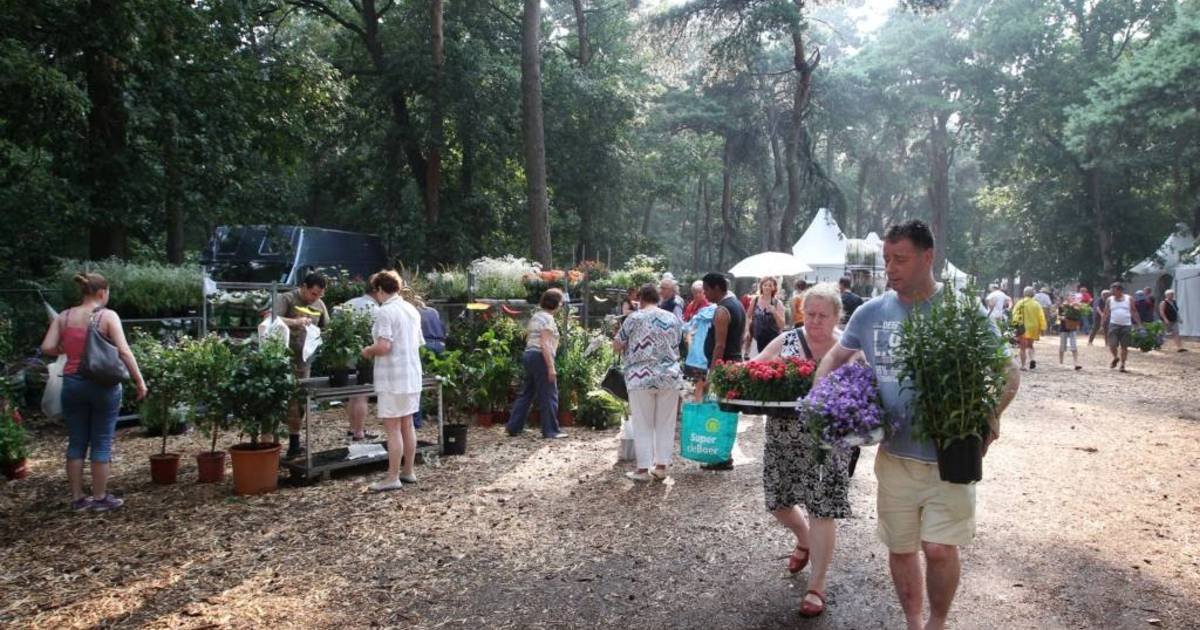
{"x": 918, "y": 512}
{"x": 1120, "y": 316}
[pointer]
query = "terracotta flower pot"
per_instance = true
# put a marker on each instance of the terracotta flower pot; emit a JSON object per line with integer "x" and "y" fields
{"x": 164, "y": 468}
{"x": 255, "y": 468}
{"x": 17, "y": 470}
{"x": 210, "y": 467}
{"x": 566, "y": 418}
{"x": 483, "y": 418}
{"x": 500, "y": 417}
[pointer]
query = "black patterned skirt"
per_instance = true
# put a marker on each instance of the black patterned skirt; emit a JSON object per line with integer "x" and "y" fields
{"x": 794, "y": 472}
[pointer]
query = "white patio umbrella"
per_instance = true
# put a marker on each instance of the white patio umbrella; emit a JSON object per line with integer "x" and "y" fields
{"x": 770, "y": 264}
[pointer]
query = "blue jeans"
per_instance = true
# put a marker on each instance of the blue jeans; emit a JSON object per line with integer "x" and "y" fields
{"x": 537, "y": 383}
{"x": 91, "y": 414}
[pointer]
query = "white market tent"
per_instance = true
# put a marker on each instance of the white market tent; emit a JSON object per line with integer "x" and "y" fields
{"x": 1187, "y": 296}
{"x": 769, "y": 264}
{"x": 958, "y": 278}
{"x": 1155, "y": 271}
{"x": 823, "y": 247}
{"x": 831, "y": 255}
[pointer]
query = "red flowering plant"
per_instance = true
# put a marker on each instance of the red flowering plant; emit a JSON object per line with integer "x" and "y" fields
{"x": 775, "y": 380}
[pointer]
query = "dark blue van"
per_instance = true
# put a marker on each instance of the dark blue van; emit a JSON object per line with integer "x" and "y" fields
{"x": 285, "y": 253}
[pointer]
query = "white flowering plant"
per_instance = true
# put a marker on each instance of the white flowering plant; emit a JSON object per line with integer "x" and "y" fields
{"x": 502, "y": 278}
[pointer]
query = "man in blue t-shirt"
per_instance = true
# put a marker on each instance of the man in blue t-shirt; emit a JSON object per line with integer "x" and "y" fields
{"x": 917, "y": 510}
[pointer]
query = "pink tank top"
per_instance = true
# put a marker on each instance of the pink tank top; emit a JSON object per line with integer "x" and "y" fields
{"x": 73, "y": 341}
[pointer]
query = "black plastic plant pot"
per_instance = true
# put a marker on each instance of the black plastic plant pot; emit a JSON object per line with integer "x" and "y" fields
{"x": 339, "y": 377}
{"x": 454, "y": 439}
{"x": 366, "y": 373}
{"x": 961, "y": 461}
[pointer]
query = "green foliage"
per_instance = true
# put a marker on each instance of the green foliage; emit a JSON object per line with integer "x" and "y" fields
{"x": 259, "y": 387}
{"x": 8, "y": 349}
{"x": 207, "y": 365}
{"x": 600, "y": 410}
{"x": 1149, "y": 336}
{"x": 342, "y": 340}
{"x": 163, "y": 368}
{"x": 449, "y": 366}
{"x": 341, "y": 288}
{"x": 138, "y": 289}
{"x": 448, "y": 284}
{"x": 489, "y": 372}
{"x": 955, "y": 365}
{"x": 14, "y": 440}
{"x": 582, "y": 360}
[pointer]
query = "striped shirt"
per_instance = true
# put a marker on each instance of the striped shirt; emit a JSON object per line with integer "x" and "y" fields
{"x": 398, "y": 371}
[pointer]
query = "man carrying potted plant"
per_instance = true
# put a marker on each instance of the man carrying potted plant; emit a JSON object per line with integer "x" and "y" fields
{"x": 298, "y": 309}
{"x": 397, "y": 333}
{"x": 917, "y": 510}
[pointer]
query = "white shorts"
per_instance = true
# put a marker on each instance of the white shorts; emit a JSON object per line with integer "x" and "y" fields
{"x": 397, "y": 405}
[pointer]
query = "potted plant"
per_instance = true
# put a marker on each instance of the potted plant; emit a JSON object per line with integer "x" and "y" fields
{"x": 342, "y": 344}
{"x": 1073, "y": 314}
{"x": 768, "y": 387}
{"x": 256, "y": 391}
{"x": 449, "y": 367}
{"x": 14, "y": 441}
{"x": 1149, "y": 337}
{"x": 160, "y": 410}
{"x": 205, "y": 364}
{"x": 601, "y": 410}
{"x": 956, "y": 367}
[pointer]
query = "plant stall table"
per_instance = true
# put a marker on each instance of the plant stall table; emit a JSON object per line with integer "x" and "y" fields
{"x": 323, "y": 463}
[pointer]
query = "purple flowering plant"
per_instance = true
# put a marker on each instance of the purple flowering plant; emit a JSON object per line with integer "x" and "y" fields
{"x": 844, "y": 410}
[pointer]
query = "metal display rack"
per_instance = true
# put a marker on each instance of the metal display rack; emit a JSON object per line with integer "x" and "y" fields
{"x": 323, "y": 463}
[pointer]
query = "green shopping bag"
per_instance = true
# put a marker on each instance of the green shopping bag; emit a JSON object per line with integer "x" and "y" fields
{"x": 707, "y": 434}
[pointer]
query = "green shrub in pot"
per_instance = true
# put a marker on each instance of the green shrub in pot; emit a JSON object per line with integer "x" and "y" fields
{"x": 258, "y": 387}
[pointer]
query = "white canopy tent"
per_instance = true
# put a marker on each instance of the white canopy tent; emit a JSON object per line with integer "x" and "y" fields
{"x": 1187, "y": 296}
{"x": 958, "y": 278}
{"x": 769, "y": 264}
{"x": 1153, "y": 271}
{"x": 823, "y": 247}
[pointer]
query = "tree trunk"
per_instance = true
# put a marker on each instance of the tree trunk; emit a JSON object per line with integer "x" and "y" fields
{"x": 581, "y": 26}
{"x": 1104, "y": 237}
{"x": 706, "y": 243}
{"x": 646, "y": 216}
{"x": 533, "y": 133}
{"x": 106, "y": 142}
{"x": 938, "y": 189}
{"x": 804, "y": 71}
{"x": 433, "y": 177}
{"x": 417, "y": 164}
{"x": 777, "y": 162}
{"x": 726, "y": 201}
{"x": 864, "y": 167}
{"x": 173, "y": 194}
{"x": 696, "y": 231}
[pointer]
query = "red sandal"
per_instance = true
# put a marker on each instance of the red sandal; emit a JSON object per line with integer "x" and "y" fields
{"x": 796, "y": 563}
{"x": 809, "y": 609}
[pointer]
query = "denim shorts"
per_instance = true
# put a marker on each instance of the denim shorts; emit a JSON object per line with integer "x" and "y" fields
{"x": 91, "y": 414}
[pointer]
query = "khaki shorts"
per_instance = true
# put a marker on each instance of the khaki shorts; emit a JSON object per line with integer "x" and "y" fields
{"x": 916, "y": 506}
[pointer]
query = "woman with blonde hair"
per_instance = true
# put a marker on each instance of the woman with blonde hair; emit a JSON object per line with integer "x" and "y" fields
{"x": 795, "y": 472}
{"x": 90, "y": 408}
{"x": 1030, "y": 320}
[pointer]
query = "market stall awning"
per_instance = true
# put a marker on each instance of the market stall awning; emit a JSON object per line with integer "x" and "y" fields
{"x": 769, "y": 264}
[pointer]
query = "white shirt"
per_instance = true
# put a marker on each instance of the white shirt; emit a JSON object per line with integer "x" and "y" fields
{"x": 996, "y": 301}
{"x": 364, "y": 304}
{"x": 398, "y": 371}
{"x": 542, "y": 323}
{"x": 1120, "y": 313}
{"x": 1043, "y": 299}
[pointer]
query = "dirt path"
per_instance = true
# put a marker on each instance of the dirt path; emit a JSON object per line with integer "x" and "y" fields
{"x": 1088, "y": 518}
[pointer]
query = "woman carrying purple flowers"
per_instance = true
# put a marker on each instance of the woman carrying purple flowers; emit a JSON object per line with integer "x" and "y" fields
{"x": 796, "y": 470}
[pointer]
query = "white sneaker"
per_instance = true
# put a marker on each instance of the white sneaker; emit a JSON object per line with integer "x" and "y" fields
{"x": 638, "y": 476}
{"x": 385, "y": 486}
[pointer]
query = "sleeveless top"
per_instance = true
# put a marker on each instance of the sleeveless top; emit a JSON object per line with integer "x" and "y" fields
{"x": 733, "y": 336}
{"x": 1171, "y": 311}
{"x": 74, "y": 340}
{"x": 1119, "y": 311}
{"x": 764, "y": 319}
{"x": 795, "y": 345}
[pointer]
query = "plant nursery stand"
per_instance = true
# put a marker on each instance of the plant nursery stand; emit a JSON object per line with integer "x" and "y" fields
{"x": 322, "y": 464}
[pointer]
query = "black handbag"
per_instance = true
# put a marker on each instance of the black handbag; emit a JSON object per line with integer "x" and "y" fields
{"x": 101, "y": 362}
{"x": 614, "y": 382}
